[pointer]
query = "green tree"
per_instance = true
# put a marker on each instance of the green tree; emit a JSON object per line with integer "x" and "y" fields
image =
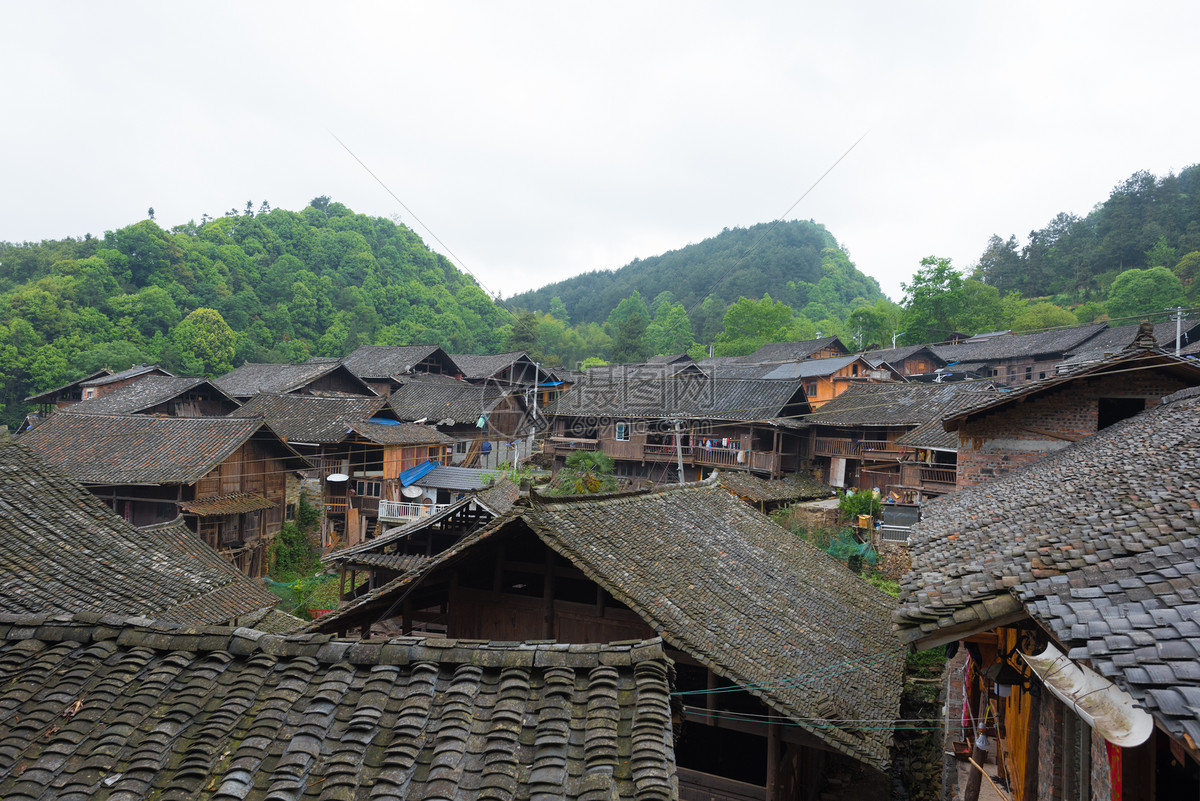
{"x": 749, "y": 324}
{"x": 932, "y": 301}
{"x": 1040, "y": 316}
{"x": 558, "y": 309}
{"x": 629, "y": 344}
{"x": 586, "y": 473}
{"x": 1143, "y": 294}
{"x": 671, "y": 330}
{"x": 204, "y": 343}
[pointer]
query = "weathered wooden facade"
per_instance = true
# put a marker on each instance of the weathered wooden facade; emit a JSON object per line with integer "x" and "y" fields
{"x": 741, "y": 601}
{"x": 227, "y": 477}
{"x": 858, "y": 440}
{"x": 360, "y": 443}
{"x": 159, "y": 395}
{"x": 652, "y": 426}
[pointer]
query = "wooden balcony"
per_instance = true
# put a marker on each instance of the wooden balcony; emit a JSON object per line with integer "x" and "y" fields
{"x": 834, "y": 446}
{"x": 666, "y": 453}
{"x": 878, "y": 449}
{"x": 942, "y": 478}
{"x": 569, "y": 444}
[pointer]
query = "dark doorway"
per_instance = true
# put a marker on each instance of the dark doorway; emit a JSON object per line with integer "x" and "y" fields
{"x": 1114, "y": 410}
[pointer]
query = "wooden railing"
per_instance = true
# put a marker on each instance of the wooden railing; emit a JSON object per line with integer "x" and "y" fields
{"x": 664, "y": 452}
{"x": 939, "y": 475}
{"x": 833, "y": 446}
{"x": 335, "y": 506}
{"x": 573, "y": 443}
{"x": 878, "y": 447}
{"x": 400, "y": 510}
{"x": 720, "y": 456}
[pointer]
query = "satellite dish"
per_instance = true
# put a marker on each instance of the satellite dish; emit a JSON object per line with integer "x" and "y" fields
{"x": 336, "y": 477}
{"x": 411, "y": 492}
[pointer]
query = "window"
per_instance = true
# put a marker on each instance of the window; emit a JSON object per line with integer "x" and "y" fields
{"x": 623, "y": 432}
{"x": 369, "y": 489}
{"x": 290, "y": 512}
{"x": 1028, "y": 373}
{"x": 461, "y": 446}
{"x": 810, "y": 387}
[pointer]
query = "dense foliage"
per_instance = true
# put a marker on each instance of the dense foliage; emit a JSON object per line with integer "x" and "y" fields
{"x": 271, "y": 286}
{"x": 797, "y": 262}
{"x": 1146, "y": 222}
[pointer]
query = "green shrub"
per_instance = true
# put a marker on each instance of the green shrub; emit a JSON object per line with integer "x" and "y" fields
{"x": 864, "y": 502}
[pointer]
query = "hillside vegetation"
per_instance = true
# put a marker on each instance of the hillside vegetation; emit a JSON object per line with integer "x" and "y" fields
{"x": 265, "y": 286}
{"x": 796, "y": 262}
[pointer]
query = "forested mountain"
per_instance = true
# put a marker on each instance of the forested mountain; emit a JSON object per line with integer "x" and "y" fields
{"x": 1146, "y": 222}
{"x": 271, "y": 286}
{"x": 796, "y": 262}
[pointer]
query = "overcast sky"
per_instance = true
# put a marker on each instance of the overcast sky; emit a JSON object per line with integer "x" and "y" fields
{"x": 541, "y": 140}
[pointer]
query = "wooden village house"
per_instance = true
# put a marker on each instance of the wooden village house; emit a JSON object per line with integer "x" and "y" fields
{"x": 383, "y": 367}
{"x": 359, "y": 451}
{"x": 318, "y": 377}
{"x": 489, "y": 423}
{"x": 741, "y": 603}
{"x": 650, "y": 426}
{"x": 228, "y": 477}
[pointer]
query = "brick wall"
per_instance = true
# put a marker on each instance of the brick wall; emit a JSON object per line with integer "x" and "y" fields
{"x": 1101, "y": 780}
{"x": 1025, "y": 431}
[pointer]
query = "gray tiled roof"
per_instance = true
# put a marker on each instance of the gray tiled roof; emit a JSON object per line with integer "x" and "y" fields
{"x": 386, "y": 361}
{"x": 104, "y": 449}
{"x": 1114, "y": 340}
{"x": 724, "y": 584}
{"x": 434, "y": 398}
{"x": 1136, "y": 619}
{"x": 251, "y": 379}
{"x": 696, "y": 397}
{"x": 50, "y": 393}
{"x": 125, "y": 375}
{"x": 895, "y": 356}
{"x": 480, "y": 366}
{"x": 160, "y": 712}
{"x": 310, "y": 418}
{"x": 1017, "y": 346}
{"x": 64, "y": 550}
{"x": 795, "y": 486}
{"x": 895, "y": 404}
{"x": 456, "y": 478}
{"x": 791, "y": 351}
{"x": 401, "y": 434}
{"x": 148, "y": 391}
{"x": 1123, "y": 491}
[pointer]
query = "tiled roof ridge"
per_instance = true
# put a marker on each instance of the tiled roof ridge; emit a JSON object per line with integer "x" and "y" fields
{"x": 1179, "y": 395}
{"x": 538, "y": 500}
{"x": 848, "y": 741}
{"x": 85, "y": 627}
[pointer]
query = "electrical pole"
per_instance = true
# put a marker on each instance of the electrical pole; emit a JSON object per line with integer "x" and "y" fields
{"x": 1178, "y": 318}
{"x": 679, "y": 450}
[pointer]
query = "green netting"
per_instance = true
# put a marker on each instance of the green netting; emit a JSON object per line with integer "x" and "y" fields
{"x": 845, "y": 546}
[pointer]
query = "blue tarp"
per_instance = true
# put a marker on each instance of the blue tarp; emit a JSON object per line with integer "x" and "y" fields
{"x": 384, "y": 421}
{"x": 414, "y": 474}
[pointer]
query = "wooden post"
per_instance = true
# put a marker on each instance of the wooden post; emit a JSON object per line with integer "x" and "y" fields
{"x": 772, "y": 757}
{"x": 975, "y": 777}
{"x": 1029, "y": 781}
